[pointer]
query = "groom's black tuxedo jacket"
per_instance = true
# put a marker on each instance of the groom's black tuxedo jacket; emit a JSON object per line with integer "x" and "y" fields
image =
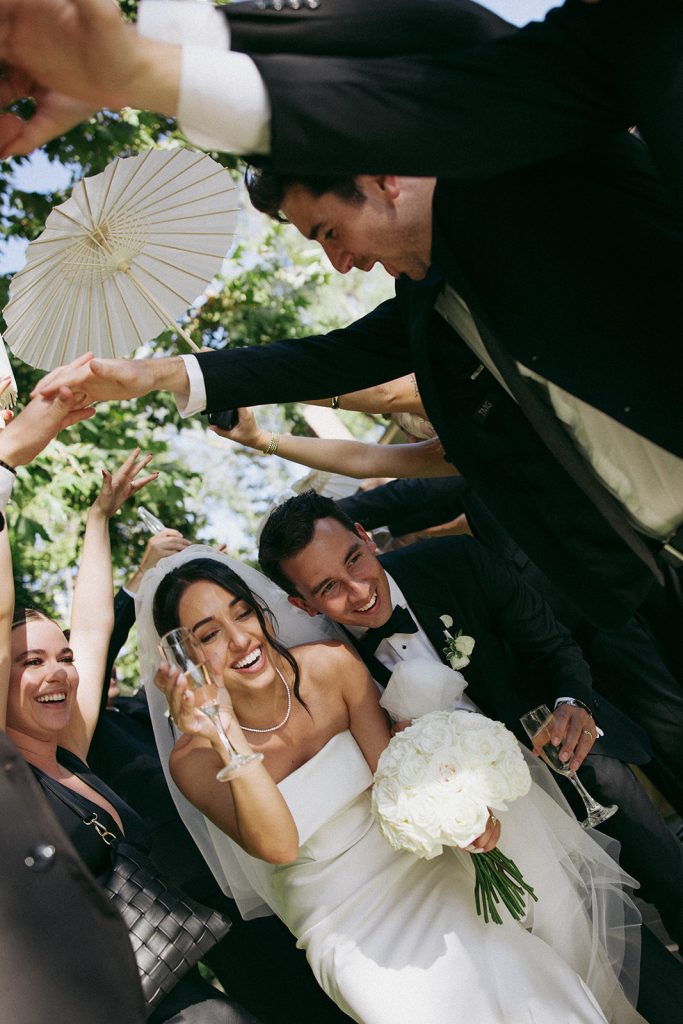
{"x": 522, "y": 656}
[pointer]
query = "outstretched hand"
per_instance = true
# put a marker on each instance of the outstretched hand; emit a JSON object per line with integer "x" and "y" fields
{"x": 246, "y": 431}
{"x": 74, "y": 57}
{"x": 54, "y": 115}
{"x": 161, "y": 545}
{"x": 37, "y": 423}
{"x": 98, "y": 380}
{"x": 118, "y": 487}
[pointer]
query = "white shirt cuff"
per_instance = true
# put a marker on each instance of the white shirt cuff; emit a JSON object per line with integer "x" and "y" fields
{"x": 7, "y": 479}
{"x": 223, "y": 103}
{"x": 182, "y": 21}
{"x": 196, "y": 398}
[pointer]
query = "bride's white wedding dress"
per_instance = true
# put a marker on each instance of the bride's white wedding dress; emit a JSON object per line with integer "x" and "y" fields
{"x": 394, "y": 938}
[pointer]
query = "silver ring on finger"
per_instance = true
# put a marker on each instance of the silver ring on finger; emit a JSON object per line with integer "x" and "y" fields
{"x": 588, "y": 733}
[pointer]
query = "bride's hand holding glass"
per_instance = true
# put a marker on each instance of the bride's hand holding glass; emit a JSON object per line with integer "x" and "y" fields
{"x": 183, "y": 709}
{"x": 191, "y": 690}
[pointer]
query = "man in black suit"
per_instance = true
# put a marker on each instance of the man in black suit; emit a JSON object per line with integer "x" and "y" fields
{"x": 522, "y": 657}
{"x": 443, "y": 87}
{"x": 625, "y": 663}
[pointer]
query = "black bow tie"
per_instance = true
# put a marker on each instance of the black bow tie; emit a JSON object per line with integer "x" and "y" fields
{"x": 400, "y": 621}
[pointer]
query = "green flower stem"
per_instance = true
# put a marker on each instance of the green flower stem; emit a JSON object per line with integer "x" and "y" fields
{"x": 498, "y": 879}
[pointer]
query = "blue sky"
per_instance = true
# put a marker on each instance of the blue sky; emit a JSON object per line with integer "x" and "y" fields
{"x": 42, "y": 176}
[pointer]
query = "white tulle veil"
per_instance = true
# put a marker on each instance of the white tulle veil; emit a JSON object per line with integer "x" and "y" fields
{"x": 293, "y": 627}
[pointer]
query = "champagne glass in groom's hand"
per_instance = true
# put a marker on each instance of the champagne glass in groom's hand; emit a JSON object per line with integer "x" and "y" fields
{"x": 181, "y": 650}
{"x": 538, "y": 725}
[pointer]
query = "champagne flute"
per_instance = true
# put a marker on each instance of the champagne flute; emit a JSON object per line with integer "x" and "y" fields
{"x": 149, "y": 520}
{"x": 181, "y": 650}
{"x": 538, "y": 725}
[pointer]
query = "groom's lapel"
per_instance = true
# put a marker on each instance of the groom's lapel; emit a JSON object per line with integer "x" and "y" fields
{"x": 426, "y": 607}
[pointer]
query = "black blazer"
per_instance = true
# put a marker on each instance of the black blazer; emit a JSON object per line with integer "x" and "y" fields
{"x": 522, "y": 656}
{"x": 66, "y": 954}
{"x": 453, "y": 90}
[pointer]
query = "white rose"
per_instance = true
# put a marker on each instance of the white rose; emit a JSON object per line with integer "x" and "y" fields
{"x": 458, "y": 661}
{"x": 431, "y": 733}
{"x": 426, "y": 814}
{"x": 464, "y": 644}
{"x": 465, "y": 819}
{"x": 447, "y": 621}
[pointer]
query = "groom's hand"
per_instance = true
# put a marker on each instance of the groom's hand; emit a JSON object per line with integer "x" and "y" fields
{"x": 575, "y": 729}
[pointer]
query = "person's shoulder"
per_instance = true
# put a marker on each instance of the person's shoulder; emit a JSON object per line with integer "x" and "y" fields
{"x": 325, "y": 654}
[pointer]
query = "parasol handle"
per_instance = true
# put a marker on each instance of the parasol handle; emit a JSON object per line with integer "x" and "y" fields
{"x": 160, "y": 311}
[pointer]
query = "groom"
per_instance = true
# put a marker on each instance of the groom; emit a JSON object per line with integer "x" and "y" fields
{"x": 521, "y": 657}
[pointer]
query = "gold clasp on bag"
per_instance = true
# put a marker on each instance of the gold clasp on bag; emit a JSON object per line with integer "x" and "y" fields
{"x": 101, "y": 829}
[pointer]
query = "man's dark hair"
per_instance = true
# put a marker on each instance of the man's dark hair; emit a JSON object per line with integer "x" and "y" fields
{"x": 289, "y": 529}
{"x": 267, "y": 189}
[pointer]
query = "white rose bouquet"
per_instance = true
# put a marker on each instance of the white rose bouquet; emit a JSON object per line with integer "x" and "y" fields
{"x": 435, "y": 785}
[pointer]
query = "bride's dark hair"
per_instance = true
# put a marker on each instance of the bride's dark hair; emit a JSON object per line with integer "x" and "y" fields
{"x": 209, "y": 570}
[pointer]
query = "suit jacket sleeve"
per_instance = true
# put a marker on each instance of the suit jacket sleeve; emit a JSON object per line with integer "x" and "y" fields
{"x": 370, "y": 351}
{"x": 454, "y": 91}
{"x": 520, "y": 616}
{"x": 124, "y": 620}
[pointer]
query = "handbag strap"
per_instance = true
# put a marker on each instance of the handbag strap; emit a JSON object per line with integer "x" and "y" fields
{"x": 78, "y": 804}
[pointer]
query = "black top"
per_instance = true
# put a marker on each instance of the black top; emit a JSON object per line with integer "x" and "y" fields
{"x": 90, "y": 846}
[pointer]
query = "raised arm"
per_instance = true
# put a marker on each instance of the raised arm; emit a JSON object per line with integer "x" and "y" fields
{"x": 249, "y": 808}
{"x": 92, "y": 616}
{"x": 353, "y": 458}
{"x": 21, "y": 440}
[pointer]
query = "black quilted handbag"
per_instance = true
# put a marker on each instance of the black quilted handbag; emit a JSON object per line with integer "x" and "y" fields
{"x": 169, "y": 931}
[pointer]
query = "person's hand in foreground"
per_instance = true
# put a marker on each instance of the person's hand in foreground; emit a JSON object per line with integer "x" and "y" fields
{"x": 246, "y": 431}
{"x": 74, "y": 57}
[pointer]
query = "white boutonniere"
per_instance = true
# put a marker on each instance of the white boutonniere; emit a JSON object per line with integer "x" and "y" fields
{"x": 459, "y": 647}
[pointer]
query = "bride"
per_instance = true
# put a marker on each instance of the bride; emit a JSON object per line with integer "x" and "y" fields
{"x": 389, "y": 936}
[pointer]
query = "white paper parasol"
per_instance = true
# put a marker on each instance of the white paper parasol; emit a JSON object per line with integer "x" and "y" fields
{"x": 120, "y": 260}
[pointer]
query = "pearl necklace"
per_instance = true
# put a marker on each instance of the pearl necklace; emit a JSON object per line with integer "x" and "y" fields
{"x": 273, "y": 728}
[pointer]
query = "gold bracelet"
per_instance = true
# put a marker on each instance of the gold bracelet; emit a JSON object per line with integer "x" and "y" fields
{"x": 274, "y": 442}
{"x": 335, "y": 402}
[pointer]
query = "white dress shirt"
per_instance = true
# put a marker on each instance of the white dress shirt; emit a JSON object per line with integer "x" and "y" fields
{"x": 223, "y": 103}
{"x": 406, "y": 646}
